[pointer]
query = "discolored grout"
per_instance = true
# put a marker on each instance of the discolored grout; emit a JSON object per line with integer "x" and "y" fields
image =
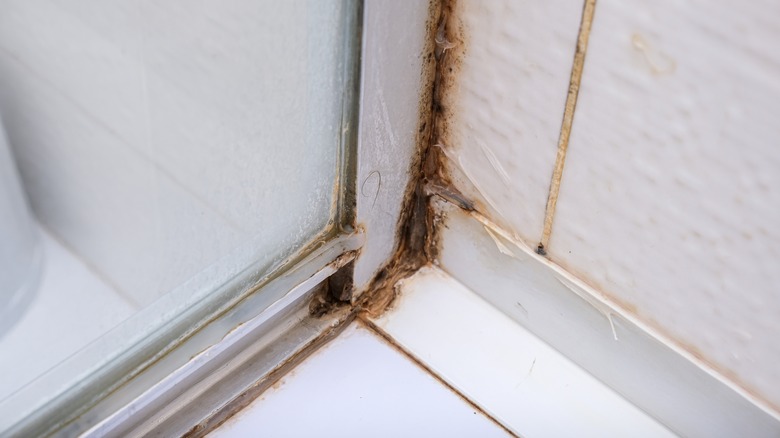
{"x": 568, "y": 119}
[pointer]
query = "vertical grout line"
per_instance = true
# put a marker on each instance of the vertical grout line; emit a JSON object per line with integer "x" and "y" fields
{"x": 568, "y": 119}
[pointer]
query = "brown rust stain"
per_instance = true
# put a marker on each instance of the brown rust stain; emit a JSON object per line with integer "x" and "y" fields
{"x": 322, "y": 302}
{"x": 335, "y": 292}
{"x": 417, "y": 228}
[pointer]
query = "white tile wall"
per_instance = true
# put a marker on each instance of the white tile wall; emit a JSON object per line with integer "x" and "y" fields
{"x": 670, "y": 194}
{"x": 507, "y": 105}
{"x": 670, "y": 200}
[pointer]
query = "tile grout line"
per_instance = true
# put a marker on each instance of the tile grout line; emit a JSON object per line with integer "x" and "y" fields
{"x": 568, "y": 119}
{"x": 363, "y": 320}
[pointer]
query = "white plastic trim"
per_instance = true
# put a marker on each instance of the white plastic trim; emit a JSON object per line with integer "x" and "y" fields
{"x": 392, "y": 62}
{"x": 518, "y": 379}
{"x": 627, "y": 355}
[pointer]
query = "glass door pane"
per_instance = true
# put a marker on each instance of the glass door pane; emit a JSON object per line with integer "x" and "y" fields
{"x": 166, "y": 148}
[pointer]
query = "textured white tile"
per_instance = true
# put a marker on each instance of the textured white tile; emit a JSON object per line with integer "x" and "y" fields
{"x": 386, "y": 396}
{"x": 670, "y": 198}
{"x": 507, "y": 105}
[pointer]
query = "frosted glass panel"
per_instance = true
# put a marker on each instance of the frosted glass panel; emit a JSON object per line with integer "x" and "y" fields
{"x": 164, "y": 146}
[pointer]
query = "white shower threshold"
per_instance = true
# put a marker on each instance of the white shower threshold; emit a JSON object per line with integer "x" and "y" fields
{"x": 441, "y": 362}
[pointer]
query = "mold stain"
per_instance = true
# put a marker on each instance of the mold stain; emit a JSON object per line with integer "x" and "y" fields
{"x": 416, "y": 233}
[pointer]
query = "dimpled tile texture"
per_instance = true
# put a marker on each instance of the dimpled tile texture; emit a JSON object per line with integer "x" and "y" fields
{"x": 670, "y": 199}
{"x": 508, "y": 105}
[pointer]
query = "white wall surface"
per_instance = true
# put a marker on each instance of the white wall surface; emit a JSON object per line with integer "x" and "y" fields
{"x": 671, "y": 192}
{"x": 670, "y": 200}
{"x": 157, "y": 138}
{"x": 507, "y": 105}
